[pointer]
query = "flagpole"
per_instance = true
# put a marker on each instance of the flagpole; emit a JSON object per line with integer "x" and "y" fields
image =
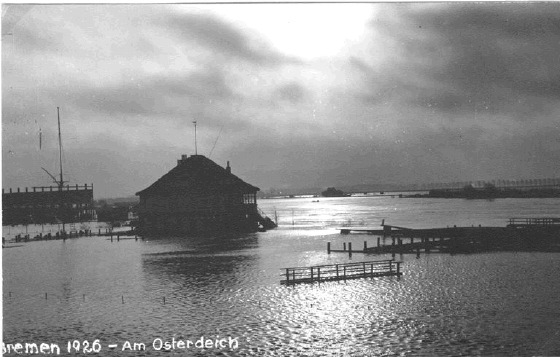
{"x": 195, "y": 144}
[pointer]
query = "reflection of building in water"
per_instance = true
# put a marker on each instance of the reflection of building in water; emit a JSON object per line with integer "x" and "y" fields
{"x": 199, "y": 196}
{"x": 51, "y": 204}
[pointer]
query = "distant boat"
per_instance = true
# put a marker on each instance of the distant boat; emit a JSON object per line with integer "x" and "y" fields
{"x": 333, "y": 192}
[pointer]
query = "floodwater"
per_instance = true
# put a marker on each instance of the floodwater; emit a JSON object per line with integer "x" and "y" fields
{"x": 228, "y": 289}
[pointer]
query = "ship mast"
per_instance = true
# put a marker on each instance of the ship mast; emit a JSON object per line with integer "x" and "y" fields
{"x": 61, "y": 182}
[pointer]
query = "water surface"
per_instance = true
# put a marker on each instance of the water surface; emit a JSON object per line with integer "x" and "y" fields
{"x": 495, "y": 304}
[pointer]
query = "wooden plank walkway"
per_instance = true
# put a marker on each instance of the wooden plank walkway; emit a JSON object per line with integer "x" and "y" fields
{"x": 344, "y": 271}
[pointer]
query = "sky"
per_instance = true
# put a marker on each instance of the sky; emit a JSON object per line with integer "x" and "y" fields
{"x": 293, "y": 95}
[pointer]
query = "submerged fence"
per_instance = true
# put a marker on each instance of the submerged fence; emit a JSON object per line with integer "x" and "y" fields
{"x": 341, "y": 271}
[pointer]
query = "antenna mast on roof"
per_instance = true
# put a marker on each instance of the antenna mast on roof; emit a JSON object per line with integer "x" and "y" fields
{"x": 195, "y": 148}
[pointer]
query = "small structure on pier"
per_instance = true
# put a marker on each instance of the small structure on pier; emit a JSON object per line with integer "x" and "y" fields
{"x": 199, "y": 196}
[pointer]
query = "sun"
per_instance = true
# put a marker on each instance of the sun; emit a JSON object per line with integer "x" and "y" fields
{"x": 305, "y": 31}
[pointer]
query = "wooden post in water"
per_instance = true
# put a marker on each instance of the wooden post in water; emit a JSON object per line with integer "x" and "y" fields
{"x": 318, "y": 274}
{"x": 337, "y": 271}
{"x": 328, "y": 247}
{"x": 287, "y": 276}
{"x": 344, "y": 246}
{"x": 311, "y": 273}
{"x": 398, "y": 268}
{"x": 378, "y": 241}
{"x": 417, "y": 251}
{"x": 365, "y": 245}
{"x": 350, "y": 249}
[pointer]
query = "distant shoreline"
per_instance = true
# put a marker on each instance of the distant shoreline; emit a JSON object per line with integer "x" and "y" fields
{"x": 492, "y": 193}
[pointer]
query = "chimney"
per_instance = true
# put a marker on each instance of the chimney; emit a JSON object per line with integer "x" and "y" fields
{"x": 183, "y": 158}
{"x": 228, "y": 168}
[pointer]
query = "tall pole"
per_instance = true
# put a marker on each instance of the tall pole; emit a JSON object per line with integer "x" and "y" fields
{"x": 61, "y": 183}
{"x": 195, "y": 145}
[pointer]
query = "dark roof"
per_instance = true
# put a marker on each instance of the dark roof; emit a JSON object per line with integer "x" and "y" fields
{"x": 198, "y": 174}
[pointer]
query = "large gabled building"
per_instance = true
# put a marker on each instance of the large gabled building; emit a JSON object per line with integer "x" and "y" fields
{"x": 199, "y": 196}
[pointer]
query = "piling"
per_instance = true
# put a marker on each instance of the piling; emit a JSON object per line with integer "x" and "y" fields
{"x": 343, "y": 246}
{"x": 350, "y": 249}
{"x": 328, "y": 247}
{"x": 378, "y": 241}
{"x": 365, "y": 245}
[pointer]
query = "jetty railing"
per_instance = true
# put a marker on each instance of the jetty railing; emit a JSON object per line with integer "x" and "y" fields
{"x": 342, "y": 271}
{"x": 523, "y": 222}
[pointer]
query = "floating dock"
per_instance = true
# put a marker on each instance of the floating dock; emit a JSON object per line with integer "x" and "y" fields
{"x": 521, "y": 234}
{"x": 345, "y": 271}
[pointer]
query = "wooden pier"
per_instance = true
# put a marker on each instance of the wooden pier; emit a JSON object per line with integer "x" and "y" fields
{"x": 520, "y": 234}
{"x": 345, "y": 271}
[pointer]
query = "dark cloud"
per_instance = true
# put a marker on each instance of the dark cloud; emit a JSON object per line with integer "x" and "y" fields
{"x": 493, "y": 55}
{"x": 221, "y": 38}
{"x": 151, "y": 95}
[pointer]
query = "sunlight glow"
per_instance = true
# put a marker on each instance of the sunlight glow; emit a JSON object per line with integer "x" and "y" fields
{"x": 307, "y": 31}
